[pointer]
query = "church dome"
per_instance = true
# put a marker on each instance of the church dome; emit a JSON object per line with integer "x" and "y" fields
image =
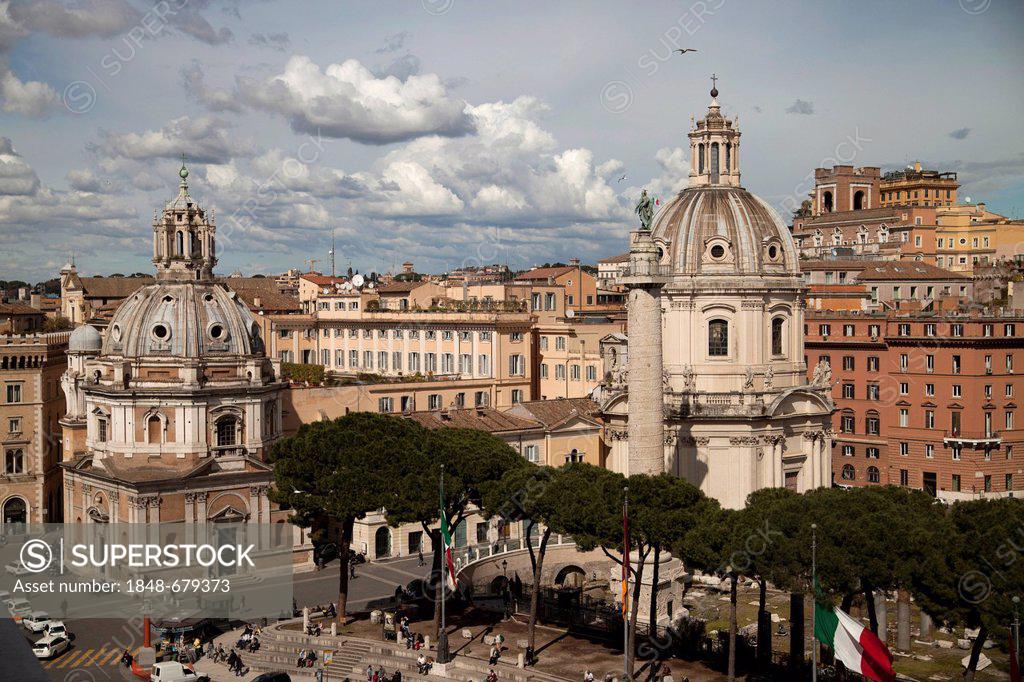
{"x": 85, "y": 339}
{"x": 723, "y": 230}
{"x": 183, "y": 319}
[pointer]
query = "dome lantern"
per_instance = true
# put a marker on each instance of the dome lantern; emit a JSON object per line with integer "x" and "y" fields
{"x": 714, "y": 147}
{"x": 184, "y": 248}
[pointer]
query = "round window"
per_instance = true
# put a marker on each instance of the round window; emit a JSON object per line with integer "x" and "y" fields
{"x": 773, "y": 252}
{"x": 717, "y": 251}
{"x": 208, "y": 298}
{"x": 115, "y": 332}
{"x": 168, "y": 299}
{"x": 161, "y": 332}
{"x": 216, "y": 331}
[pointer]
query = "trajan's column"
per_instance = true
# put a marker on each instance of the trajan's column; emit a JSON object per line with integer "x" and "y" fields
{"x": 646, "y": 393}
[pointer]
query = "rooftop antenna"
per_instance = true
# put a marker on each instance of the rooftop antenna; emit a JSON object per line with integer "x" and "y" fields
{"x": 332, "y": 253}
{"x": 312, "y": 263}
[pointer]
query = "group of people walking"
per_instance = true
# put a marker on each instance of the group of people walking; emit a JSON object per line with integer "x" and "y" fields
{"x": 380, "y": 675}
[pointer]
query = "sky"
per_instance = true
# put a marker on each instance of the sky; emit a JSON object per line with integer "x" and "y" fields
{"x": 460, "y": 132}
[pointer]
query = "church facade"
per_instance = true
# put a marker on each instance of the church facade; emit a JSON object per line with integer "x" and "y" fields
{"x": 715, "y": 389}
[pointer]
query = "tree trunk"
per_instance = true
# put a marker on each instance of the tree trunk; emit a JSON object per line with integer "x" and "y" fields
{"x": 903, "y": 620}
{"x": 869, "y": 599}
{"x": 635, "y": 609}
{"x": 796, "y": 631}
{"x": 531, "y": 628}
{"x": 732, "y": 627}
{"x": 972, "y": 665}
{"x": 764, "y": 626}
{"x": 652, "y": 635}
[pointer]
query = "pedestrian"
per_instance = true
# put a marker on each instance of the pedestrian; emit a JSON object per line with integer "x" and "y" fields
{"x": 373, "y": 677}
{"x": 588, "y": 676}
{"x": 369, "y": 673}
{"x": 419, "y": 556}
{"x": 421, "y": 664}
{"x": 494, "y": 655}
{"x": 492, "y": 676}
{"x": 351, "y": 570}
{"x": 126, "y": 658}
{"x": 232, "y": 661}
{"x": 397, "y": 677}
{"x": 238, "y": 666}
{"x": 302, "y": 659}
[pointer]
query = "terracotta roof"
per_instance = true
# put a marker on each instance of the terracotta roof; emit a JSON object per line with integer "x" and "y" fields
{"x": 904, "y": 269}
{"x": 269, "y": 301}
{"x": 621, "y": 258}
{"x": 399, "y": 287}
{"x": 18, "y": 309}
{"x": 545, "y": 273}
{"x": 324, "y": 280}
{"x": 113, "y": 287}
{"x": 552, "y": 413}
{"x": 482, "y": 418}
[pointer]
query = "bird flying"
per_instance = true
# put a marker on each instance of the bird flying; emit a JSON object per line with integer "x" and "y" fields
{"x": 684, "y": 50}
{"x": 622, "y": 178}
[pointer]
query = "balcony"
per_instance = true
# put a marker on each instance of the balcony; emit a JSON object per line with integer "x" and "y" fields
{"x": 972, "y": 438}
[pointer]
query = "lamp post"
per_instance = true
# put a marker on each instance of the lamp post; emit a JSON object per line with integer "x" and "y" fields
{"x": 504, "y": 569}
{"x": 1016, "y": 628}
{"x": 814, "y": 601}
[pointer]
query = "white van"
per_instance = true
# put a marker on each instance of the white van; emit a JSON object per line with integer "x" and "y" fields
{"x": 175, "y": 672}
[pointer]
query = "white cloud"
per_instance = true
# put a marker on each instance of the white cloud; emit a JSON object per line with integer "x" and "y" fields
{"x": 194, "y": 80}
{"x": 32, "y": 98}
{"x": 347, "y": 100}
{"x": 204, "y": 139}
{"x": 82, "y": 19}
{"x": 16, "y": 176}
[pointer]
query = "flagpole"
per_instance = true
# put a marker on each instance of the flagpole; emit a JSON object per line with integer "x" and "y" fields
{"x": 814, "y": 602}
{"x": 442, "y": 636}
{"x": 625, "y": 587}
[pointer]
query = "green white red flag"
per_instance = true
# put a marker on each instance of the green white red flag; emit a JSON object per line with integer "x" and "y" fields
{"x": 860, "y": 650}
{"x": 446, "y": 545}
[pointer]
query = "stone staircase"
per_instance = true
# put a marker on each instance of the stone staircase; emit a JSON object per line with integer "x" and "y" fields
{"x": 279, "y": 649}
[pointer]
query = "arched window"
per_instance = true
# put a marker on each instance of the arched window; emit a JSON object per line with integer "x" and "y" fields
{"x": 154, "y": 429}
{"x": 826, "y": 199}
{"x": 849, "y": 473}
{"x": 718, "y": 338}
{"x": 873, "y": 476}
{"x": 179, "y": 245}
{"x": 700, "y": 158}
{"x": 728, "y": 157}
{"x": 777, "y": 324}
{"x": 14, "y": 462}
{"x": 226, "y": 435}
{"x": 858, "y": 200}
{"x": 714, "y": 162}
{"x": 15, "y": 511}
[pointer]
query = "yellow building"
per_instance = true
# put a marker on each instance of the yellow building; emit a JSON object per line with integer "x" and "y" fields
{"x": 916, "y": 186}
{"x": 969, "y": 236}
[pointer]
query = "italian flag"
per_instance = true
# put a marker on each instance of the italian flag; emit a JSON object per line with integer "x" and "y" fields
{"x": 446, "y": 544}
{"x": 860, "y": 650}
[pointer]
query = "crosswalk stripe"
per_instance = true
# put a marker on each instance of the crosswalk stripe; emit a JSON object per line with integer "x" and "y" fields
{"x": 71, "y": 657}
{"x": 115, "y": 657}
{"x": 88, "y": 661}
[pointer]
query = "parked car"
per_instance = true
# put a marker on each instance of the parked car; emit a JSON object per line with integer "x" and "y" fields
{"x": 58, "y": 629}
{"x": 15, "y": 568}
{"x": 18, "y": 608}
{"x": 169, "y": 671}
{"x": 273, "y": 677}
{"x": 50, "y": 646}
{"x": 36, "y": 621}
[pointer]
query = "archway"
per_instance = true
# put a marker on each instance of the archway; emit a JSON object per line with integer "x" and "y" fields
{"x": 827, "y": 201}
{"x": 382, "y": 542}
{"x": 15, "y": 511}
{"x": 570, "y": 576}
{"x": 858, "y": 200}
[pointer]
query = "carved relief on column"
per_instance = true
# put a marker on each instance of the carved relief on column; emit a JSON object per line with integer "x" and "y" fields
{"x": 201, "y": 498}
{"x": 618, "y": 434}
{"x": 743, "y": 440}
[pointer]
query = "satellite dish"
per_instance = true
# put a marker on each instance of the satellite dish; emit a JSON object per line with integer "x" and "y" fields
{"x": 357, "y": 280}
{"x": 967, "y": 199}
{"x": 346, "y": 286}
{"x": 570, "y": 313}
{"x": 370, "y": 285}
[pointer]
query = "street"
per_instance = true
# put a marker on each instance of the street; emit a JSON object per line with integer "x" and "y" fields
{"x": 99, "y": 643}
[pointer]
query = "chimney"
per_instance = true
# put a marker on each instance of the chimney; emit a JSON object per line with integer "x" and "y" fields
{"x": 257, "y": 302}
{"x": 574, "y": 262}
{"x": 36, "y": 300}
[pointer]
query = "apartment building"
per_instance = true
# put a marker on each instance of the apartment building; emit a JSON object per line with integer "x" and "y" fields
{"x": 925, "y": 401}
{"x": 31, "y": 405}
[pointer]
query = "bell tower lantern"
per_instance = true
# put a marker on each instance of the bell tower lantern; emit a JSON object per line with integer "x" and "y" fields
{"x": 184, "y": 248}
{"x": 714, "y": 147}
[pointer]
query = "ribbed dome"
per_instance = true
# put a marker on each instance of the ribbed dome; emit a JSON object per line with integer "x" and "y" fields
{"x": 183, "y": 319}
{"x": 85, "y": 339}
{"x": 723, "y": 230}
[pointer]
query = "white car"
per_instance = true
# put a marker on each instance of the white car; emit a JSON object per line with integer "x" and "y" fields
{"x": 50, "y": 646}
{"x": 36, "y": 621}
{"x": 175, "y": 672}
{"x": 15, "y": 568}
{"x": 19, "y": 608}
{"x": 56, "y": 628}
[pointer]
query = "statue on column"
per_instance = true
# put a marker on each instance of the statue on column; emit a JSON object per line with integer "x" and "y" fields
{"x": 645, "y": 211}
